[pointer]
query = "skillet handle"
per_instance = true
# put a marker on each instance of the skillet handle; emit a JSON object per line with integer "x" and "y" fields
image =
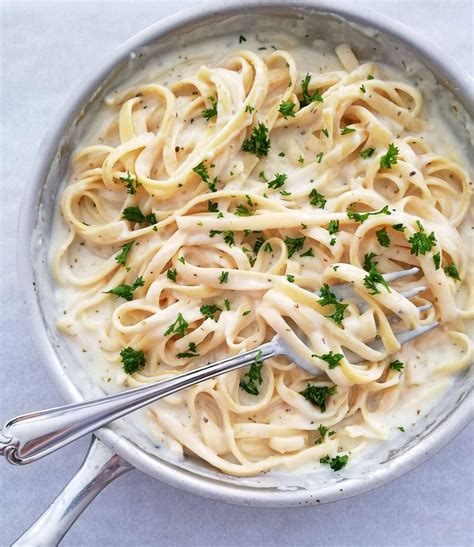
{"x": 100, "y": 467}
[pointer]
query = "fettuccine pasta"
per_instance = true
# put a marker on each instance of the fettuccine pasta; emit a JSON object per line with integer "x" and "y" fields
{"x": 219, "y": 210}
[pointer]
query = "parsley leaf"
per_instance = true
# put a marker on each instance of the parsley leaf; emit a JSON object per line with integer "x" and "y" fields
{"x": 420, "y": 242}
{"x": 242, "y": 211}
{"x": 328, "y": 298}
{"x": 134, "y": 214}
{"x": 171, "y": 275}
{"x": 362, "y": 217}
{"x": 178, "y": 327}
{"x": 132, "y": 360}
{"x": 452, "y": 271}
{"x": 337, "y": 463}
{"x": 192, "y": 352}
{"x": 202, "y": 171}
{"x": 369, "y": 262}
{"x": 346, "y": 130}
{"x": 131, "y": 183}
{"x": 367, "y": 153}
{"x": 307, "y": 98}
{"x": 209, "y": 113}
{"x": 121, "y": 258}
{"x": 396, "y": 365}
{"x": 319, "y": 157}
{"x": 212, "y": 207}
{"x": 382, "y": 237}
{"x": 294, "y": 244}
{"x": 278, "y": 181}
{"x": 286, "y": 109}
{"x": 253, "y": 377}
{"x": 224, "y": 277}
{"x": 309, "y": 252}
{"x": 209, "y": 310}
{"x": 126, "y": 291}
{"x": 249, "y": 108}
{"x": 290, "y": 278}
{"x": 332, "y": 359}
{"x": 325, "y": 132}
{"x": 372, "y": 278}
{"x": 227, "y": 304}
{"x": 390, "y": 158}
{"x": 258, "y": 143}
{"x": 333, "y": 227}
{"x": 437, "y": 260}
{"x": 317, "y": 199}
{"x": 399, "y": 227}
{"x": 242, "y": 39}
{"x": 318, "y": 395}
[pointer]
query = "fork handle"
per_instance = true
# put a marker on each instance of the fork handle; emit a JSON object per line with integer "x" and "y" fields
{"x": 28, "y": 438}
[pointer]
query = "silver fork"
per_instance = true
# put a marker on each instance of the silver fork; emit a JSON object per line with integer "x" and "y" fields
{"x": 28, "y": 438}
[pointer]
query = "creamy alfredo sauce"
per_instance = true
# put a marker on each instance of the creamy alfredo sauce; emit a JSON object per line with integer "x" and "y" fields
{"x": 277, "y": 225}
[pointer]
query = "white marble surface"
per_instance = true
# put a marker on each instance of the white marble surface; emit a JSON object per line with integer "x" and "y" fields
{"x": 46, "y": 47}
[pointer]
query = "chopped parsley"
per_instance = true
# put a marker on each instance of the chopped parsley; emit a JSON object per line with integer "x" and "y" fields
{"x": 317, "y": 199}
{"x": 182, "y": 259}
{"x": 390, "y": 158}
{"x": 333, "y": 227}
{"x": 319, "y": 157}
{"x": 328, "y": 298}
{"x": 132, "y": 360}
{"x": 382, "y": 237}
{"x": 224, "y": 277}
{"x": 399, "y": 227}
{"x": 307, "y": 98}
{"x": 437, "y": 260}
{"x": 332, "y": 359}
{"x": 192, "y": 352}
{"x": 285, "y": 193}
{"x": 249, "y": 108}
{"x": 258, "y": 143}
{"x": 367, "y": 153}
{"x": 287, "y": 109}
{"x": 290, "y": 278}
{"x": 202, "y": 171}
{"x": 402, "y": 429}
{"x": 369, "y": 262}
{"x": 126, "y": 291}
{"x": 337, "y": 463}
{"x": 209, "y": 113}
{"x": 131, "y": 183}
{"x": 323, "y": 431}
{"x": 171, "y": 275}
{"x": 242, "y": 39}
{"x": 252, "y": 379}
{"x": 278, "y": 181}
{"x": 421, "y": 243}
{"x": 178, "y": 327}
{"x": 209, "y": 310}
{"x": 309, "y": 252}
{"x": 318, "y": 395}
{"x": 362, "y": 217}
{"x": 268, "y": 248}
{"x": 228, "y": 236}
{"x": 242, "y": 211}
{"x": 134, "y": 214}
{"x": 346, "y": 130}
{"x": 374, "y": 277}
{"x": 370, "y": 77}
{"x": 294, "y": 244}
{"x": 362, "y": 88}
{"x": 212, "y": 207}
{"x": 121, "y": 258}
{"x": 301, "y": 159}
{"x": 227, "y": 304}
{"x": 396, "y": 365}
{"x": 325, "y": 132}
{"x": 452, "y": 271}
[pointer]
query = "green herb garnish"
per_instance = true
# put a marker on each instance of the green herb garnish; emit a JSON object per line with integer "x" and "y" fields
{"x": 452, "y": 271}
{"x": 253, "y": 377}
{"x": 421, "y": 243}
{"x": 209, "y": 113}
{"x": 382, "y": 237}
{"x": 362, "y": 217}
{"x": 209, "y": 310}
{"x": 390, "y": 158}
{"x": 367, "y": 153}
{"x": 224, "y": 277}
{"x": 121, "y": 258}
{"x": 396, "y": 365}
{"x": 307, "y": 98}
{"x": 192, "y": 352}
{"x": 132, "y": 360}
{"x": 294, "y": 244}
{"x": 337, "y": 463}
{"x": 126, "y": 291}
{"x": 134, "y": 214}
{"x": 287, "y": 109}
{"x": 258, "y": 143}
{"x": 328, "y": 298}
{"x": 318, "y": 395}
{"x": 178, "y": 327}
{"x": 317, "y": 199}
{"x": 278, "y": 181}
{"x": 131, "y": 183}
